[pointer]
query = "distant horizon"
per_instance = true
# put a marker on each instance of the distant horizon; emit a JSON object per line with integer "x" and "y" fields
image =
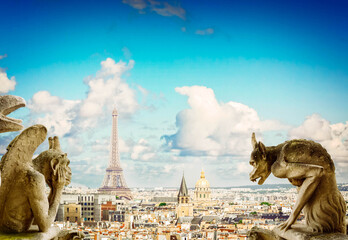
{"x": 243, "y": 186}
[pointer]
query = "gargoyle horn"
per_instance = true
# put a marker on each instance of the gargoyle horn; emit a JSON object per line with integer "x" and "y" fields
{"x": 56, "y": 144}
{"x": 253, "y": 141}
{"x": 50, "y": 143}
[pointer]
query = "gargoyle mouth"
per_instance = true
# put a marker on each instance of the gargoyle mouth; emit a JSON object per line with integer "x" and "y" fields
{"x": 261, "y": 180}
{"x": 8, "y": 104}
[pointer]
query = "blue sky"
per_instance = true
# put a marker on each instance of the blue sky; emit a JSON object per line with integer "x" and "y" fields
{"x": 191, "y": 80}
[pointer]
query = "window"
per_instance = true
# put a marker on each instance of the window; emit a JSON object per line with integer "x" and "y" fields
{"x": 75, "y": 219}
{"x": 76, "y": 209}
{"x": 67, "y": 210}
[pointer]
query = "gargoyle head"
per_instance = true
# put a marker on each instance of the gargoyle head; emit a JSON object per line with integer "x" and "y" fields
{"x": 53, "y": 163}
{"x": 262, "y": 168}
{"x": 8, "y": 104}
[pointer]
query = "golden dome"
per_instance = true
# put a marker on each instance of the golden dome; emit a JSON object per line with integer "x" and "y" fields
{"x": 202, "y": 182}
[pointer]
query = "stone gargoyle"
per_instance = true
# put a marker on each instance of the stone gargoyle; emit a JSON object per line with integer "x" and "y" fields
{"x": 309, "y": 167}
{"x": 23, "y": 181}
{"x": 23, "y": 201}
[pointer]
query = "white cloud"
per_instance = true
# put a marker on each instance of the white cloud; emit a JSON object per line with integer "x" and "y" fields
{"x": 161, "y": 8}
{"x": 334, "y": 137}
{"x": 244, "y": 167}
{"x": 6, "y": 84}
{"x": 137, "y": 4}
{"x": 95, "y": 169}
{"x": 142, "y": 151}
{"x": 58, "y": 114}
{"x": 73, "y": 146}
{"x": 207, "y": 31}
{"x": 167, "y": 10}
{"x": 81, "y": 123}
{"x": 215, "y": 128}
{"x": 106, "y": 90}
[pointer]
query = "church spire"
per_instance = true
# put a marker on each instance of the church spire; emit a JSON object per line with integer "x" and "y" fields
{"x": 183, "y": 192}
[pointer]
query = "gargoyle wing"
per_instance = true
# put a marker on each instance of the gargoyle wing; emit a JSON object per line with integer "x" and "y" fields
{"x": 22, "y": 147}
{"x": 19, "y": 153}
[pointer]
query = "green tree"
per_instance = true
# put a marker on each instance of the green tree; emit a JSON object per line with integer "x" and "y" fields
{"x": 266, "y": 203}
{"x": 162, "y": 204}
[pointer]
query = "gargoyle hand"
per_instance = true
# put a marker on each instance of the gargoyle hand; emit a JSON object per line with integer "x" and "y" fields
{"x": 287, "y": 224}
{"x": 58, "y": 180}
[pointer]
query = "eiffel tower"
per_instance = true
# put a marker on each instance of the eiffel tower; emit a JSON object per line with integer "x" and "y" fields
{"x": 114, "y": 182}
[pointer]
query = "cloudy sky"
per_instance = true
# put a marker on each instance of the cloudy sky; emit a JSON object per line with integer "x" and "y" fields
{"x": 191, "y": 81}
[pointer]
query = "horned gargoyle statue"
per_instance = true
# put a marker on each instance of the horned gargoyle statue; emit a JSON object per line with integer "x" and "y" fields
{"x": 23, "y": 180}
{"x": 22, "y": 190}
{"x": 309, "y": 167}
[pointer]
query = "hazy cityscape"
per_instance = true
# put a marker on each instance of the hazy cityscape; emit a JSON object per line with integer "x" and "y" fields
{"x": 152, "y": 214}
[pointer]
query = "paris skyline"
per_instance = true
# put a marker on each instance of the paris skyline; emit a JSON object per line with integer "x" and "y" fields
{"x": 191, "y": 81}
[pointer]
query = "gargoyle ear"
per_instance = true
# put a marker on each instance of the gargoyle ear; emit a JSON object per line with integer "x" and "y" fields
{"x": 253, "y": 141}
{"x": 54, "y": 165}
{"x": 262, "y": 147}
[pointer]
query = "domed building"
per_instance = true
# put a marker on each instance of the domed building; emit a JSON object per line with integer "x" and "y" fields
{"x": 202, "y": 191}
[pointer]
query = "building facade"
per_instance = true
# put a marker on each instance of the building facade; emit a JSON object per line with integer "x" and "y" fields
{"x": 72, "y": 212}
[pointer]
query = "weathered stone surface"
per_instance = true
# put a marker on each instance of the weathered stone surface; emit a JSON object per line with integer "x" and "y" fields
{"x": 70, "y": 234}
{"x": 261, "y": 234}
{"x": 309, "y": 167}
{"x": 22, "y": 190}
{"x": 292, "y": 234}
{"x": 300, "y": 232}
{"x": 32, "y": 234}
{"x": 8, "y": 104}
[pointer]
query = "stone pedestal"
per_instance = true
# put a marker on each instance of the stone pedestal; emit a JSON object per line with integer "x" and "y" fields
{"x": 296, "y": 233}
{"x": 32, "y": 234}
{"x": 54, "y": 233}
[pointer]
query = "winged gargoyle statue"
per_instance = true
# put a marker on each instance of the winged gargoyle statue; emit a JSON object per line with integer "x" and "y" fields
{"x": 23, "y": 180}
